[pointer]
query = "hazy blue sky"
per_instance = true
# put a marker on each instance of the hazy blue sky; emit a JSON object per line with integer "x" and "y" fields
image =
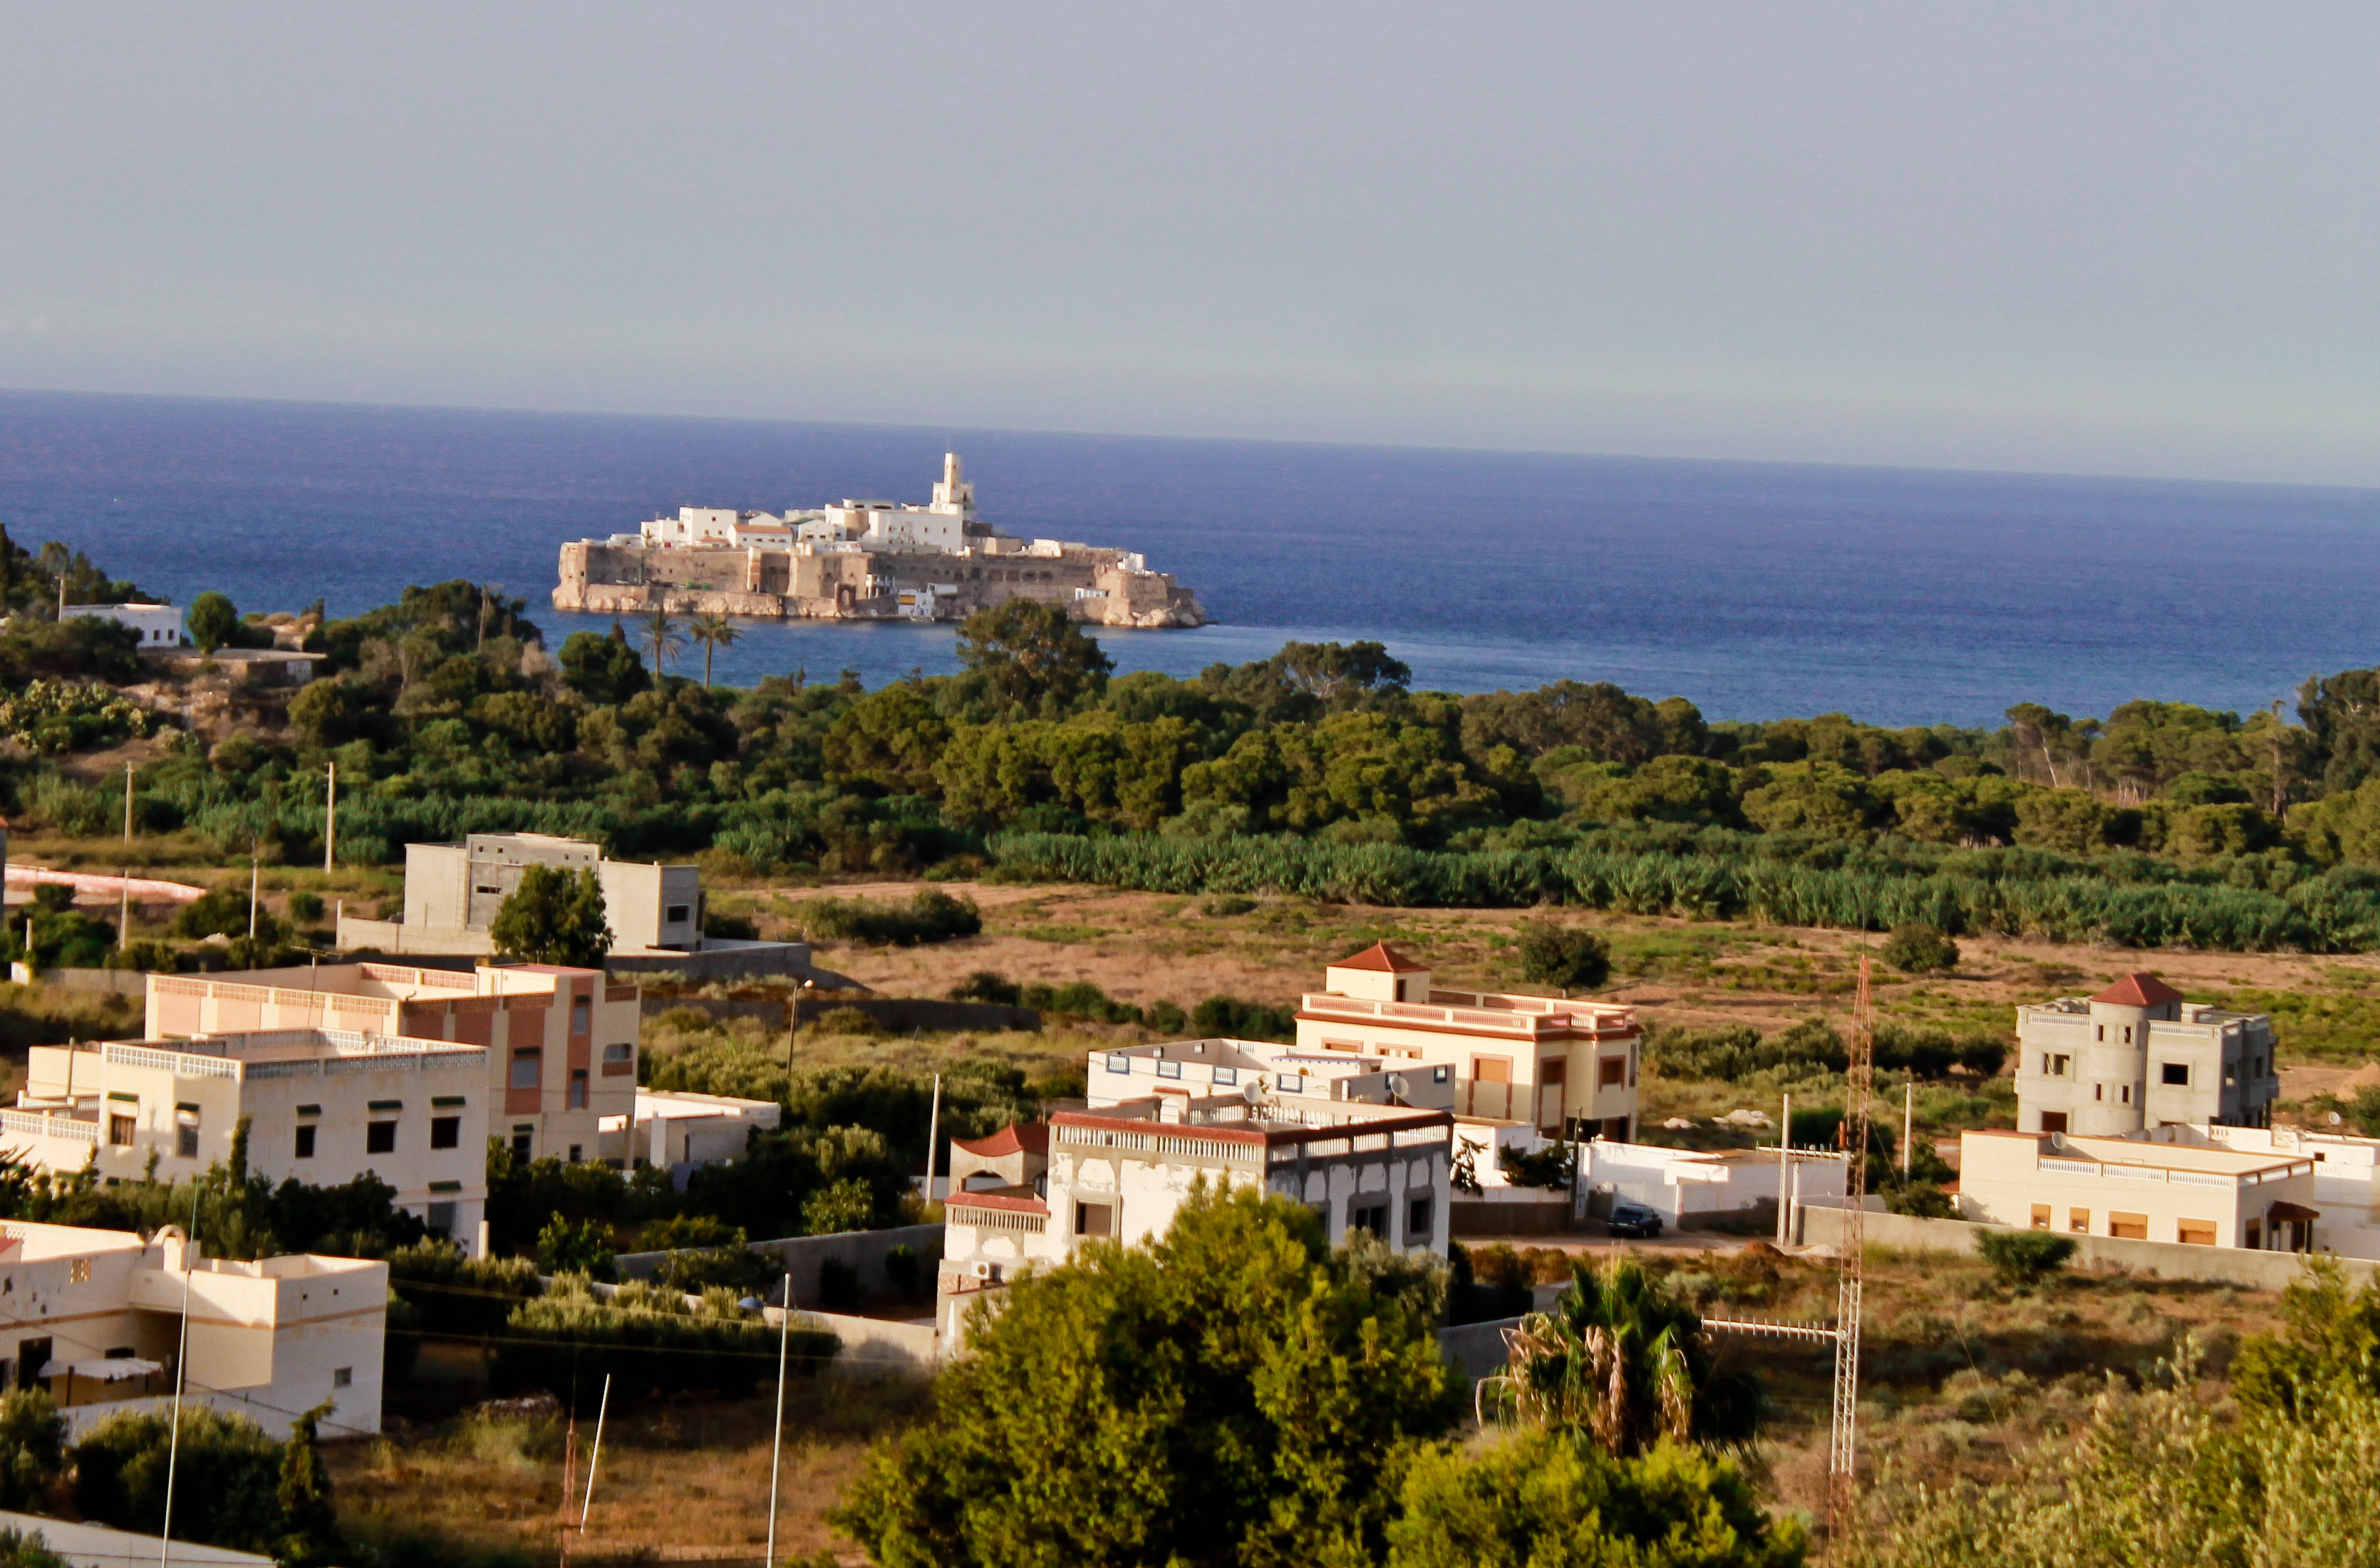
{"x": 2104, "y": 237}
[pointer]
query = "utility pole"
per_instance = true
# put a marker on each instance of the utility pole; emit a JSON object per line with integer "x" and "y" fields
{"x": 1908, "y": 1125}
{"x": 128, "y": 804}
{"x": 777, "y": 1441}
{"x": 252, "y": 897}
{"x": 1842, "y": 1451}
{"x": 933, "y": 1135}
{"x": 1784, "y": 1173}
{"x": 2280, "y": 791}
{"x": 330, "y": 816}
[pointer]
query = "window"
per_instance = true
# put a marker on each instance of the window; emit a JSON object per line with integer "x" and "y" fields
{"x": 2128, "y": 1228}
{"x": 581, "y": 1013}
{"x": 1615, "y": 1072}
{"x": 527, "y": 1069}
{"x": 2056, "y": 1067}
{"x": 1290, "y": 1082}
{"x": 1094, "y": 1219}
{"x": 1373, "y": 1217}
{"x": 2177, "y": 1073}
{"x": 578, "y": 1089}
{"x": 1169, "y": 1070}
{"x": 619, "y": 1059}
{"x": 2128, "y": 1034}
{"x": 1440, "y": 1075}
{"x": 305, "y": 1148}
{"x": 1226, "y": 1076}
{"x": 1118, "y": 1062}
{"x": 2194, "y": 1233}
{"x": 2079, "y": 1221}
{"x": 2041, "y": 1216}
{"x": 2098, "y": 1092}
{"x": 678, "y": 914}
{"x": 2103, "y": 1032}
{"x": 1418, "y": 1221}
{"x": 120, "y": 1131}
{"x": 445, "y": 1132}
{"x": 441, "y": 1219}
{"x": 2126, "y": 1094}
{"x": 2053, "y": 1121}
{"x": 343, "y": 1377}
{"x": 2252, "y": 1238}
{"x": 380, "y": 1138}
{"x": 521, "y": 1137}
{"x": 78, "y": 1272}
{"x": 575, "y": 1155}
{"x": 185, "y": 1143}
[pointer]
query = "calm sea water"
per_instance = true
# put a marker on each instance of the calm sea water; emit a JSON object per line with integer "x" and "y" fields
{"x": 1758, "y": 590}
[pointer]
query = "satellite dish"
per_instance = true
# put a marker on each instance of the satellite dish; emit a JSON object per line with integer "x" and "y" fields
{"x": 1252, "y": 1090}
{"x": 1398, "y": 1086}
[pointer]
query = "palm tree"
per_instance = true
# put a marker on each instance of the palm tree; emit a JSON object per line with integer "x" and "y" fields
{"x": 714, "y": 632}
{"x": 1621, "y": 1360}
{"x": 658, "y": 630}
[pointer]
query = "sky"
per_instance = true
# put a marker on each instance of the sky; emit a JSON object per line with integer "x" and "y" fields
{"x": 2129, "y": 238}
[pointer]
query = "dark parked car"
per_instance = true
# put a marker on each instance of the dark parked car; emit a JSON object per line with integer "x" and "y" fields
{"x": 1632, "y": 1219}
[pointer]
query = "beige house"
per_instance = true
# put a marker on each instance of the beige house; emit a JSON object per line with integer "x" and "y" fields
{"x": 95, "y": 1317}
{"x": 323, "y": 1107}
{"x": 2139, "y": 1188}
{"x": 453, "y": 891}
{"x": 1568, "y": 1068}
{"x": 561, "y": 1043}
{"x": 1122, "y": 1172}
{"x": 676, "y": 1128}
{"x": 2137, "y": 1055}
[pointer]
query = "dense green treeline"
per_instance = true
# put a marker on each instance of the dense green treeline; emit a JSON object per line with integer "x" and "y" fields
{"x": 1316, "y": 771}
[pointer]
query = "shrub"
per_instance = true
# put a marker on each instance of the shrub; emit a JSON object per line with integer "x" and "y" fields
{"x": 581, "y": 1247}
{"x": 1567, "y": 955}
{"x": 1920, "y": 949}
{"x": 730, "y": 927}
{"x": 2025, "y": 1257}
{"x": 1230, "y": 1018}
{"x": 33, "y": 1447}
{"x": 848, "y": 1021}
{"x": 846, "y": 1205}
{"x": 986, "y": 986}
{"x": 1920, "y": 1201}
{"x": 931, "y": 915}
{"x": 648, "y": 1340}
{"x": 839, "y": 1289}
{"x": 226, "y": 1483}
{"x": 306, "y": 905}
{"x": 903, "y": 1269}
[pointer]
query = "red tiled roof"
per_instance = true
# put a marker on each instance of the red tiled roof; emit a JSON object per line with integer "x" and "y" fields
{"x": 1032, "y": 1138}
{"x": 1381, "y": 956}
{"x": 2138, "y": 989}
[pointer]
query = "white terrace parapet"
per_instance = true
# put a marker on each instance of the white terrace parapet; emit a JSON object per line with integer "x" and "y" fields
{"x": 1480, "y": 1012}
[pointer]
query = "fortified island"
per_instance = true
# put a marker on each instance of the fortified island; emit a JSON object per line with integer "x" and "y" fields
{"x": 863, "y": 560}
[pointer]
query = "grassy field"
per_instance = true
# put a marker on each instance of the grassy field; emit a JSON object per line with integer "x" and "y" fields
{"x": 1146, "y": 947}
{"x": 679, "y": 1480}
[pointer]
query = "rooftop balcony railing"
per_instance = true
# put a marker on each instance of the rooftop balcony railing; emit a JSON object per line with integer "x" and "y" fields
{"x": 1481, "y": 1012}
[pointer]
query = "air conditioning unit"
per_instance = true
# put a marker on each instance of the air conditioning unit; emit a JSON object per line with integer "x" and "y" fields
{"x": 988, "y": 1273}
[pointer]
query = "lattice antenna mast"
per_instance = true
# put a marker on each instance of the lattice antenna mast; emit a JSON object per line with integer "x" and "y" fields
{"x": 1842, "y": 1455}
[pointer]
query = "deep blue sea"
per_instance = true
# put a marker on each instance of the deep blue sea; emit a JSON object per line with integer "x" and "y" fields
{"x": 1758, "y": 590}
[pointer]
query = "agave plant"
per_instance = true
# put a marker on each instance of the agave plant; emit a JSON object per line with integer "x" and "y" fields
{"x": 1623, "y": 1361}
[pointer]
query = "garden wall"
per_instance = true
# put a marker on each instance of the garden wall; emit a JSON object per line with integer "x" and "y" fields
{"x": 2161, "y": 1259}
